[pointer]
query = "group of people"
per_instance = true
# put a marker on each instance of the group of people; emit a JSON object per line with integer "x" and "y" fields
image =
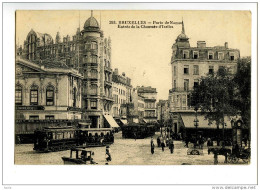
{"x": 163, "y": 142}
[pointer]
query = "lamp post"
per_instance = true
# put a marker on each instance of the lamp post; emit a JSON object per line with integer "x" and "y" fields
{"x": 196, "y": 122}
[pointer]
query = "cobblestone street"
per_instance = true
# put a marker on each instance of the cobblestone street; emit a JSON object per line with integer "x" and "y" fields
{"x": 124, "y": 152}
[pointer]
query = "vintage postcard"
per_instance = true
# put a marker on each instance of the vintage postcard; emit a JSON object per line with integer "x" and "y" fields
{"x": 132, "y": 87}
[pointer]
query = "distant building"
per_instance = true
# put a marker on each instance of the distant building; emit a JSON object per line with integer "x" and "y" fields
{"x": 121, "y": 95}
{"x": 150, "y": 97}
{"x": 163, "y": 111}
{"x": 189, "y": 64}
{"x": 88, "y": 52}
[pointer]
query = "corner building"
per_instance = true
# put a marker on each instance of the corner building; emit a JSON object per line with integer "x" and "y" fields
{"x": 189, "y": 64}
{"x": 89, "y": 53}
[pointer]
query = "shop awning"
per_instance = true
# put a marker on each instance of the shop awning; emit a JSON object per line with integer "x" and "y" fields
{"x": 111, "y": 121}
{"x": 124, "y": 121}
{"x": 188, "y": 121}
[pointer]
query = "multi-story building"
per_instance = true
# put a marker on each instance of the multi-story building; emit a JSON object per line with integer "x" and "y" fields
{"x": 46, "y": 93}
{"x": 163, "y": 111}
{"x": 189, "y": 64}
{"x": 121, "y": 94}
{"x": 89, "y": 53}
{"x": 150, "y": 97}
{"x": 137, "y": 107}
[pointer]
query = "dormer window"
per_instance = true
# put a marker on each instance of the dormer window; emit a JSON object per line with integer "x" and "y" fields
{"x": 185, "y": 54}
{"x": 232, "y": 56}
{"x": 210, "y": 55}
{"x": 220, "y": 55}
{"x": 195, "y": 55}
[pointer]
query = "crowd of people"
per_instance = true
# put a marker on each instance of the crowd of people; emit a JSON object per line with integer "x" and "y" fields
{"x": 163, "y": 141}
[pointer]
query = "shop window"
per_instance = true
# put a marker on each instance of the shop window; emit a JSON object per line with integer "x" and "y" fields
{"x": 18, "y": 95}
{"x": 49, "y": 96}
{"x": 33, "y": 117}
{"x": 49, "y": 117}
{"x": 34, "y": 95}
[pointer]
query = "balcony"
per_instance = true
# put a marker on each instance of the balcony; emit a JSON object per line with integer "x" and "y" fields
{"x": 109, "y": 98}
{"x": 180, "y": 89}
{"x": 149, "y": 99}
{"x": 108, "y": 83}
{"x": 107, "y": 69}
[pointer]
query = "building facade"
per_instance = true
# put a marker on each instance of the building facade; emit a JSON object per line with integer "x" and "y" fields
{"x": 89, "y": 53}
{"x": 121, "y": 94}
{"x": 189, "y": 64}
{"x": 150, "y": 97}
{"x": 46, "y": 94}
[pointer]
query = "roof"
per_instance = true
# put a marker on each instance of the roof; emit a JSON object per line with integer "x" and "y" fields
{"x": 188, "y": 121}
{"x": 91, "y": 22}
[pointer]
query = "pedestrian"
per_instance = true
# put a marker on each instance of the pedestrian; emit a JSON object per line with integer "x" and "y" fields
{"x": 171, "y": 145}
{"x": 158, "y": 141}
{"x": 152, "y": 147}
{"x": 215, "y": 158}
{"x": 186, "y": 142}
{"x": 167, "y": 141}
{"x": 108, "y": 155}
{"x": 163, "y": 144}
{"x": 135, "y": 135}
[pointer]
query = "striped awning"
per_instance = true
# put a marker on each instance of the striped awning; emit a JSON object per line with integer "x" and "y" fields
{"x": 111, "y": 121}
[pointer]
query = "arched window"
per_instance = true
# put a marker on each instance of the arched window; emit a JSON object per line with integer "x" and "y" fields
{"x": 49, "y": 96}
{"x": 34, "y": 95}
{"x": 74, "y": 96}
{"x": 18, "y": 95}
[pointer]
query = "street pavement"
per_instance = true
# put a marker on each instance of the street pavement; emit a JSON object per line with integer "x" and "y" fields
{"x": 123, "y": 152}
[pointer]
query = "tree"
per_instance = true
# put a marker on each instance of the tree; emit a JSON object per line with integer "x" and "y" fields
{"x": 242, "y": 80}
{"x": 215, "y": 97}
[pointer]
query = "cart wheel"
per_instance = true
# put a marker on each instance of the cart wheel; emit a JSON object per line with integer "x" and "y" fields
{"x": 234, "y": 160}
{"x": 245, "y": 160}
{"x": 229, "y": 158}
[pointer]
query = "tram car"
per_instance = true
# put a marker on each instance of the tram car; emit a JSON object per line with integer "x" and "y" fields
{"x": 138, "y": 131}
{"x": 52, "y": 139}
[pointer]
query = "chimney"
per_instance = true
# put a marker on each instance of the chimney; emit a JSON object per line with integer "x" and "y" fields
{"x": 116, "y": 71}
{"x": 201, "y": 44}
{"x": 226, "y": 45}
{"x": 123, "y": 74}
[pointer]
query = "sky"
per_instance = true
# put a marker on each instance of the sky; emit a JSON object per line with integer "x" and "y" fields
{"x": 144, "y": 54}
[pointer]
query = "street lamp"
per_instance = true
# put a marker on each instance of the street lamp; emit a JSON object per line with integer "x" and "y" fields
{"x": 196, "y": 122}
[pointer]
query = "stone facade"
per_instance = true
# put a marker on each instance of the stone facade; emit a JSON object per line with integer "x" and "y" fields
{"x": 89, "y": 53}
{"x": 189, "y": 64}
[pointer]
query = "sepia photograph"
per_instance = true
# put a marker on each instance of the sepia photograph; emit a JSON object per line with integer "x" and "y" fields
{"x": 120, "y": 88}
{"x": 130, "y": 93}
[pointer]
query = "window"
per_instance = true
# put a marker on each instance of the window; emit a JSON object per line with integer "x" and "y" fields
{"x": 174, "y": 84}
{"x": 94, "y": 45}
{"x": 93, "y": 59}
{"x": 49, "y": 96}
{"x": 33, "y": 117}
{"x": 195, "y": 70}
{"x": 93, "y": 104}
{"x": 211, "y": 69}
{"x": 93, "y": 73}
{"x": 186, "y": 84}
{"x": 18, "y": 95}
{"x": 34, "y": 95}
{"x": 174, "y": 70}
{"x": 185, "y": 54}
{"x": 195, "y": 55}
{"x": 186, "y": 69}
{"x": 87, "y": 45}
{"x": 232, "y": 56}
{"x": 196, "y": 83}
{"x": 220, "y": 55}
{"x": 184, "y": 102}
{"x": 93, "y": 89}
{"x": 49, "y": 117}
{"x": 210, "y": 55}
{"x": 74, "y": 96}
